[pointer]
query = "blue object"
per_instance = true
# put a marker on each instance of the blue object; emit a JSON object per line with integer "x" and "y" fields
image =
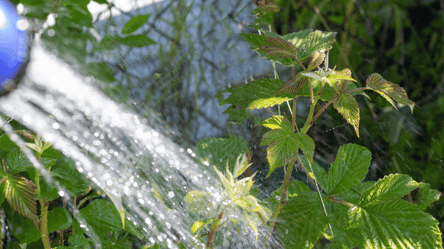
{"x": 13, "y": 46}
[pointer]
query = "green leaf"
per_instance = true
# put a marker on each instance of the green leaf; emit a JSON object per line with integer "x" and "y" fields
{"x": 293, "y": 85}
{"x": 135, "y": 23}
{"x": 47, "y": 190}
{"x": 282, "y": 147}
{"x": 58, "y": 219}
{"x": 137, "y": 41}
{"x": 216, "y": 151}
{"x": 304, "y": 221}
{"x": 78, "y": 240}
{"x": 108, "y": 42}
{"x": 101, "y": 1}
{"x": 295, "y": 188}
{"x": 427, "y": 196}
{"x": 393, "y": 223}
{"x": 240, "y": 166}
{"x": 390, "y": 187}
{"x": 316, "y": 59}
{"x": 353, "y": 195}
{"x": 348, "y": 169}
{"x": 100, "y": 217}
{"x": 199, "y": 224}
{"x": 278, "y": 47}
{"x": 4, "y": 169}
{"x": 6, "y": 143}
{"x": 278, "y": 122}
{"x": 318, "y": 173}
{"x": 101, "y": 70}
{"x": 391, "y": 92}
{"x": 21, "y": 196}
{"x": 257, "y": 94}
{"x": 309, "y": 41}
{"x": 74, "y": 181}
{"x": 200, "y": 203}
{"x": 306, "y": 144}
{"x": 348, "y": 107}
{"x": 130, "y": 227}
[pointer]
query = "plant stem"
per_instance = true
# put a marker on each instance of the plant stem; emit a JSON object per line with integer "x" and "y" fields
{"x": 310, "y": 115}
{"x": 320, "y": 112}
{"x": 44, "y": 223}
{"x": 293, "y": 115}
{"x": 339, "y": 201}
{"x": 307, "y": 174}
{"x": 283, "y": 199}
{"x": 214, "y": 227}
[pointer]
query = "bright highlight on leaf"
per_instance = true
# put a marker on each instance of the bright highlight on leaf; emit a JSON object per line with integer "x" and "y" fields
{"x": 391, "y": 92}
{"x": 348, "y": 107}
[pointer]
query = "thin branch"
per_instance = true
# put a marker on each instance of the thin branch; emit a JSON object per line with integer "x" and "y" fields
{"x": 331, "y": 198}
{"x": 320, "y": 112}
{"x": 306, "y": 173}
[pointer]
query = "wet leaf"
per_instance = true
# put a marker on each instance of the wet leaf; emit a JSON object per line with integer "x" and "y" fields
{"x": 21, "y": 195}
{"x": 391, "y": 92}
{"x": 200, "y": 203}
{"x": 101, "y": 70}
{"x": 74, "y": 181}
{"x": 199, "y": 224}
{"x": 58, "y": 219}
{"x": 241, "y": 165}
{"x": 348, "y": 107}
{"x": 295, "y": 188}
{"x": 135, "y": 23}
{"x": 348, "y": 169}
{"x": 98, "y": 218}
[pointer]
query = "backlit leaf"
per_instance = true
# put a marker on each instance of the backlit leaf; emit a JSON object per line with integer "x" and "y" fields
{"x": 293, "y": 85}
{"x": 348, "y": 169}
{"x": 21, "y": 196}
{"x": 282, "y": 147}
{"x": 257, "y": 94}
{"x": 393, "y": 223}
{"x": 306, "y": 144}
{"x": 309, "y": 41}
{"x": 427, "y": 196}
{"x": 348, "y": 107}
{"x": 200, "y": 203}
{"x": 199, "y": 224}
{"x": 135, "y": 23}
{"x": 303, "y": 221}
{"x": 316, "y": 59}
{"x": 391, "y": 92}
{"x": 278, "y": 47}
{"x": 278, "y": 122}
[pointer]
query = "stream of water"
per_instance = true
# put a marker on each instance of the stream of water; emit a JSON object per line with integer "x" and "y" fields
{"x": 140, "y": 169}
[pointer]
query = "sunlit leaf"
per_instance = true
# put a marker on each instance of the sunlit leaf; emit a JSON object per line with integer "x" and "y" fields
{"x": 135, "y": 23}
{"x": 293, "y": 85}
{"x": 316, "y": 59}
{"x": 282, "y": 147}
{"x": 306, "y": 144}
{"x": 17, "y": 161}
{"x": 240, "y": 166}
{"x": 427, "y": 196}
{"x": 21, "y": 195}
{"x": 257, "y": 94}
{"x": 348, "y": 169}
{"x": 70, "y": 177}
{"x": 390, "y": 187}
{"x": 278, "y": 122}
{"x": 199, "y": 224}
{"x": 303, "y": 221}
{"x": 393, "y": 224}
{"x": 309, "y": 41}
{"x": 278, "y": 47}
{"x": 348, "y": 107}
{"x": 295, "y": 188}
{"x": 391, "y": 92}
{"x": 318, "y": 173}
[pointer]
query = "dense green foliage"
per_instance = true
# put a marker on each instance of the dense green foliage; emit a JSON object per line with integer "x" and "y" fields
{"x": 336, "y": 209}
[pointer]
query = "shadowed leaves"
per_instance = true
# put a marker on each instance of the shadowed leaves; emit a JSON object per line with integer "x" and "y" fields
{"x": 293, "y": 85}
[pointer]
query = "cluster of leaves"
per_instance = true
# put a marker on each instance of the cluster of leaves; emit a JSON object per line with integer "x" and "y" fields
{"x": 343, "y": 209}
